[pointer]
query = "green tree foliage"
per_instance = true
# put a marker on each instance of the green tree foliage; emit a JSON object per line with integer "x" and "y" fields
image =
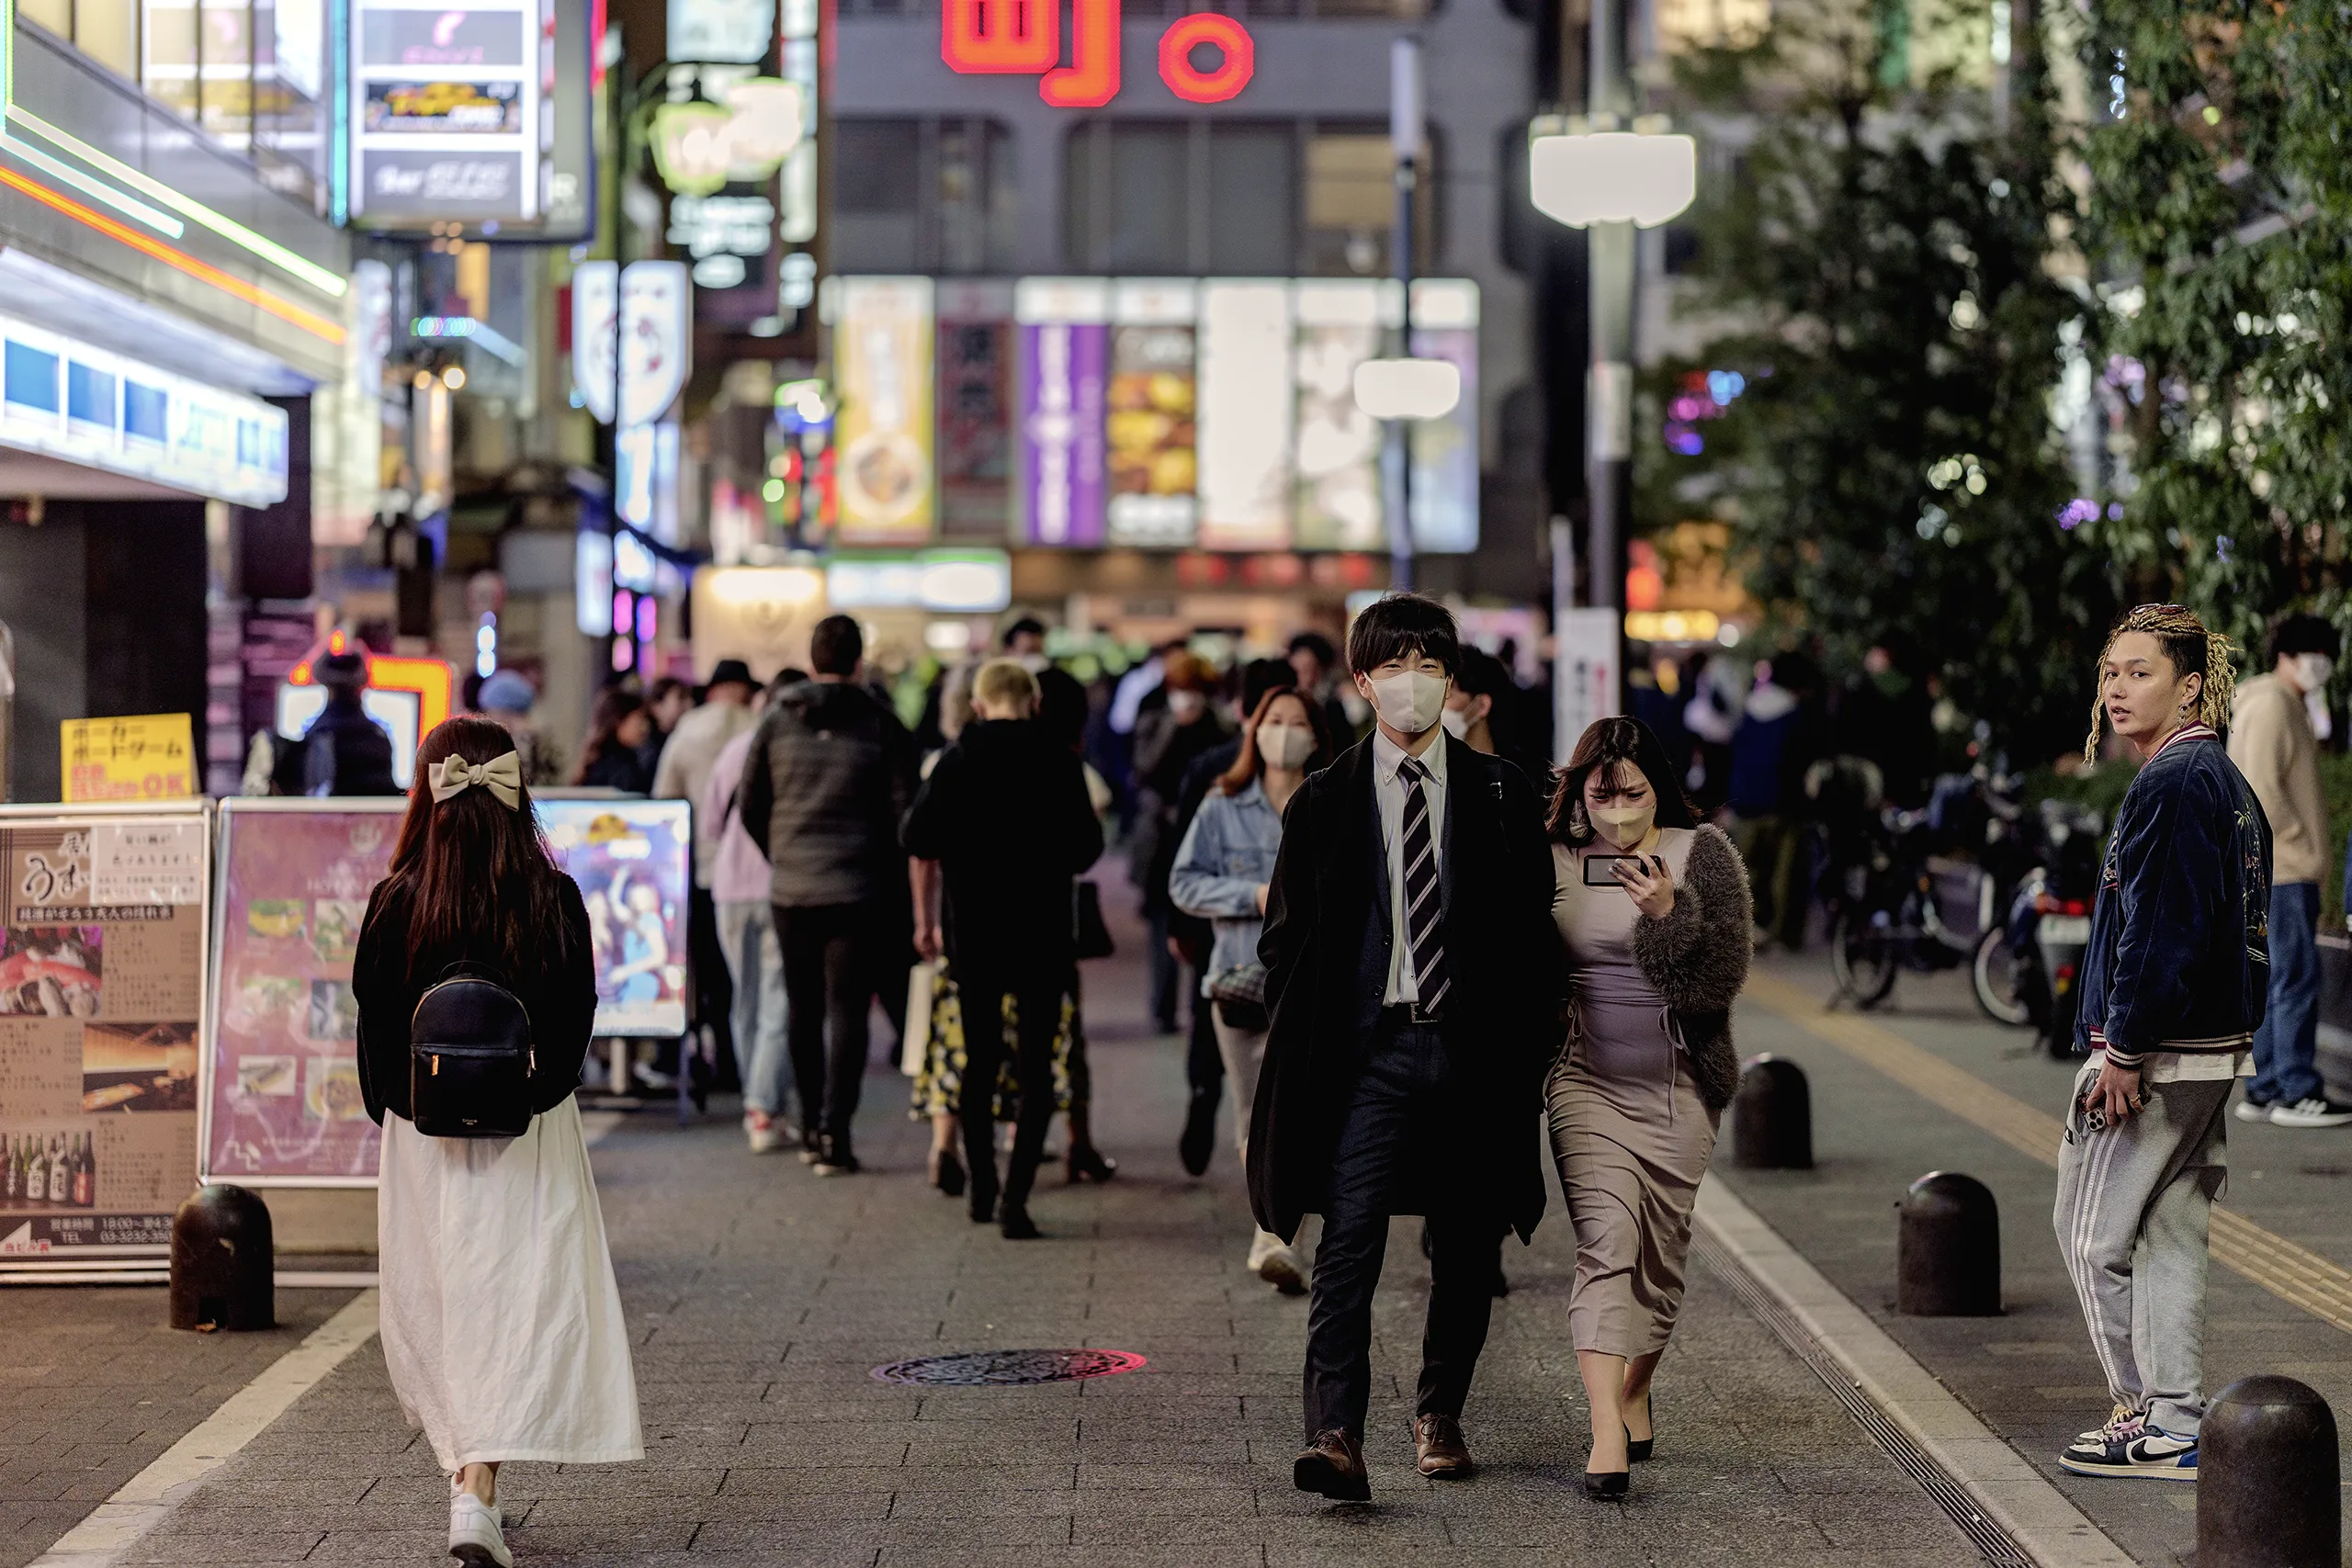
{"x": 2220, "y": 153}
{"x": 1878, "y": 268}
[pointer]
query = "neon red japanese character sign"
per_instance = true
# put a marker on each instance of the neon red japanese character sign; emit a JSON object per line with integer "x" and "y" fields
{"x": 1022, "y": 38}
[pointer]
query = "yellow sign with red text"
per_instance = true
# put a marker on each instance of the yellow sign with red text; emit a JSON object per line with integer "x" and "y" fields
{"x": 143, "y": 757}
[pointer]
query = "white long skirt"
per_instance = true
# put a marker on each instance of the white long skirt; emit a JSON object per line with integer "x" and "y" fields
{"x": 501, "y": 1324}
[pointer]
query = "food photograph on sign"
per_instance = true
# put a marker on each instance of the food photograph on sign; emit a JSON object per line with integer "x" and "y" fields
{"x": 1150, "y": 433}
{"x": 283, "y": 1095}
{"x": 629, "y": 858}
{"x": 883, "y": 349}
{"x": 446, "y": 107}
{"x": 99, "y": 1003}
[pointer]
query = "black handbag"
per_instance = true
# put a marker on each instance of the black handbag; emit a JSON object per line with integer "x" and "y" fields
{"x": 1239, "y": 994}
{"x": 1092, "y": 936}
{"x": 471, "y": 1057}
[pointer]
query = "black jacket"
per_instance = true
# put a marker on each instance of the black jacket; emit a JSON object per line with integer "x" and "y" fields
{"x": 346, "y": 752}
{"x": 831, "y": 774}
{"x": 1005, "y": 813}
{"x": 2179, "y": 950}
{"x": 560, "y": 998}
{"x": 1324, "y": 986}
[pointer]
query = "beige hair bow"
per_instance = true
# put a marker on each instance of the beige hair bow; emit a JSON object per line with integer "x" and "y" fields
{"x": 502, "y": 775}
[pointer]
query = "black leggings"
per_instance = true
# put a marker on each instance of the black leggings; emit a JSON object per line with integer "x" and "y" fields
{"x": 1039, "y": 999}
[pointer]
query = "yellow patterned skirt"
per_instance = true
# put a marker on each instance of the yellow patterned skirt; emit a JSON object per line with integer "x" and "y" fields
{"x": 939, "y": 1087}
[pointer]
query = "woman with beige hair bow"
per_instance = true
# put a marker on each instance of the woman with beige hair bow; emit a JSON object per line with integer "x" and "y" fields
{"x": 502, "y": 1323}
{"x": 2173, "y": 980}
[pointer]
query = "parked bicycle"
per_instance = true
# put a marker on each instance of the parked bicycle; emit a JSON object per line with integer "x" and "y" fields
{"x": 1915, "y": 890}
{"x": 2027, "y": 966}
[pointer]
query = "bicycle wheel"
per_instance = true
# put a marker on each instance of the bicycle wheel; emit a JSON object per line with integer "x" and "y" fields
{"x": 2000, "y": 980}
{"x": 1861, "y": 957}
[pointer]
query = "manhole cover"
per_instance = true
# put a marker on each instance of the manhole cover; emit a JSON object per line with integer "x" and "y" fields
{"x": 988, "y": 1369}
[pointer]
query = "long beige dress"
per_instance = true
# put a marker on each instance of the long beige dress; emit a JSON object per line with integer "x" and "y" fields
{"x": 1629, "y": 1130}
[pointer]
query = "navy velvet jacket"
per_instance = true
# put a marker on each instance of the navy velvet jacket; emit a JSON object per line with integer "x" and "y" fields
{"x": 2180, "y": 952}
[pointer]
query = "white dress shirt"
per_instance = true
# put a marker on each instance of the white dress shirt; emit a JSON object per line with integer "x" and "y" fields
{"x": 1388, "y": 789}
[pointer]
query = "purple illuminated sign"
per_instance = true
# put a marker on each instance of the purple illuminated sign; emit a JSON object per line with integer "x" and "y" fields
{"x": 1064, "y": 367}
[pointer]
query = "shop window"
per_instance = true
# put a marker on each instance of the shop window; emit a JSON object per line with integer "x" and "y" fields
{"x": 921, "y": 196}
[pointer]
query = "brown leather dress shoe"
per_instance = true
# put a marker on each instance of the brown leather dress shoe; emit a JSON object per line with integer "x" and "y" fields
{"x": 1334, "y": 1468}
{"x": 1439, "y": 1447}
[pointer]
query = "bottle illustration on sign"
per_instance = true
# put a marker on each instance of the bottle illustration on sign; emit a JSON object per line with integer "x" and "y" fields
{"x": 1022, "y": 38}
{"x": 55, "y": 1173}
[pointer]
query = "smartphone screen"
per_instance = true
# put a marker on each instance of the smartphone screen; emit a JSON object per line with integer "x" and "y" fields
{"x": 1600, "y": 870}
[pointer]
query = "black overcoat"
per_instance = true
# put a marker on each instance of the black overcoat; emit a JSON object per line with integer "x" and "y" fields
{"x": 1325, "y": 980}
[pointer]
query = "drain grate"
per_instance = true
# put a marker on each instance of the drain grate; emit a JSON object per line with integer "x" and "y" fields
{"x": 1006, "y": 1368}
{"x": 1999, "y": 1547}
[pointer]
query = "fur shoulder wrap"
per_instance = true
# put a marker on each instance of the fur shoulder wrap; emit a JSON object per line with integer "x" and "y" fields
{"x": 1697, "y": 957}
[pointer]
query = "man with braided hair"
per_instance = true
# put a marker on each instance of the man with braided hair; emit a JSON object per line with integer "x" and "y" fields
{"x": 2175, "y": 981}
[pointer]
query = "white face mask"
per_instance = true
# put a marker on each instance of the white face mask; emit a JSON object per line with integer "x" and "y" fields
{"x": 1036, "y": 663}
{"x": 1185, "y": 707}
{"x": 1456, "y": 722}
{"x": 2311, "y": 670}
{"x": 1284, "y": 746}
{"x": 1409, "y": 702}
{"x": 1623, "y": 826}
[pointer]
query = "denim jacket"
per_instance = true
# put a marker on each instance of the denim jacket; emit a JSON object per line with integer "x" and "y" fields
{"x": 2179, "y": 958}
{"x": 1227, "y": 854}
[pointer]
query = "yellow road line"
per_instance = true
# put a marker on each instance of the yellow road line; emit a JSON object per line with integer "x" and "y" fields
{"x": 2293, "y": 1273}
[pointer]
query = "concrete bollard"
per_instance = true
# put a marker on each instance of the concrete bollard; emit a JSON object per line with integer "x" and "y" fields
{"x": 1771, "y": 1117}
{"x": 2266, "y": 1493}
{"x": 1948, "y": 1248}
{"x": 224, "y": 1269}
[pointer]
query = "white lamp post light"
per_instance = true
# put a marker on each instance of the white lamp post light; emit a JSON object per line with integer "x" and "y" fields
{"x": 1407, "y": 389}
{"x": 1613, "y": 177}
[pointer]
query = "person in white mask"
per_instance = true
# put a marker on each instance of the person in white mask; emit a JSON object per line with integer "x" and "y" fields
{"x": 1653, "y": 909}
{"x": 1222, "y": 873}
{"x": 2273, "y": 743}
{"x": 1410, "y": 976}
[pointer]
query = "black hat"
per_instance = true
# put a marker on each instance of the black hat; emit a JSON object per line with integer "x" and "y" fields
{"x": 730, "y": 671}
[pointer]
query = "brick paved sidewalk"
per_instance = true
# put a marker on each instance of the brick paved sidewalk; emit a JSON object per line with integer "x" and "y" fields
{"x": 762, "y": 1296}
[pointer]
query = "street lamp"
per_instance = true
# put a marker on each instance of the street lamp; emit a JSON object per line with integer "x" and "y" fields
{"x": 1609, "y": 175}
{"x": 1407, "y": 389}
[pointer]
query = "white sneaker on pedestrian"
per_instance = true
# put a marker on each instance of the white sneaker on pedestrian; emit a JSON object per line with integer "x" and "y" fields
{"x": 2314, "y": 1111}
{"x": 2253, "y": 1109}
{"x": 1277, "y": 1264}
{"x": 477, "y": 1533}
{"x": 759, "y": 1130}
{"x": 2129, "y": 1448}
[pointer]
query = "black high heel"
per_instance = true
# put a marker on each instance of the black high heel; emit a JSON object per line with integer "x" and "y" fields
{"x": 1086, "y": 1163}
{"x": 1639, "y": 1449}
{"x": 947, "y": 1172}
{"x": 984, "y": 1194}
{"x": 1607, "y": 1485}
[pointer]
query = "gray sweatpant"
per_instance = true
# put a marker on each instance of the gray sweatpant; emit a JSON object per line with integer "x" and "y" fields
{"x": 2134, "y": 1201}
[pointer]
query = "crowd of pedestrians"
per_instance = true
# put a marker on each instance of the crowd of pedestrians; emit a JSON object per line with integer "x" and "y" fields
{"x": 1391, "y": 936}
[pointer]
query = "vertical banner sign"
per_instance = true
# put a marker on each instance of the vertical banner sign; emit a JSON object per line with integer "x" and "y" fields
{"x": 281, "y": 1092}
{"x": 1587, "y": 671}
{"x": 1245, "y": 415}
{"x": 976, "y": 408}
{"x": 1150, "y": 431}
{"x": 1064, "y": 327}
{"x": 150, "y": 757}
{"x": 594, "y": 298}
{"x": 657, "y": 338}
{"x": 1339, "y": 444}
{"x": 882, "y": 361}
{"x": 101, "y": 987}
{"x": 1446, "y": 451}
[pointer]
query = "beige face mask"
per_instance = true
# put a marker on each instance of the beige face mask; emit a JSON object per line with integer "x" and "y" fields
{"x": 1623, "y": 826}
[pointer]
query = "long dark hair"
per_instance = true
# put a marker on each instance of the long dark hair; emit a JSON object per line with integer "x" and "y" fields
{"x": 612, "y": 708}
{"x": 1605, "y": 743}
{"x": 1236, "y": 779}
{"x": 476, "y": 875}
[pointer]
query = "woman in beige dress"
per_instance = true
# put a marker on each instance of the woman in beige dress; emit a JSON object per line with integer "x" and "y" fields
{"x": 1653, "y": 909}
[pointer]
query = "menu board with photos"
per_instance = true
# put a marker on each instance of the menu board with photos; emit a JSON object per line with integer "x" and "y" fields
{"x": 102, "y": 941}
{"x": 282, "y": 1099}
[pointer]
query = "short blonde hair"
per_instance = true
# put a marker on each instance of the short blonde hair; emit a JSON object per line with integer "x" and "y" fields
{"x": 1002, "y": 683}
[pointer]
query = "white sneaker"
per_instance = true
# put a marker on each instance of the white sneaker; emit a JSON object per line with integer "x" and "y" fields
{"x": 2251, "y": 1110}
{"x": 2314, "y": 1110}
{"x": 1278, "y": 1265}
{"x": 477, "y": 1533}
{"x": 759, "y": 1130}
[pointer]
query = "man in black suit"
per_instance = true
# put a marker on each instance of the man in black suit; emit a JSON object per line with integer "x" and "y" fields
{"x": 1409, "y": 945}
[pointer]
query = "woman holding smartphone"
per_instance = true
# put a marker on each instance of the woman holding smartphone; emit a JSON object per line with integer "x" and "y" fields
{"x": 1655, "y": 911}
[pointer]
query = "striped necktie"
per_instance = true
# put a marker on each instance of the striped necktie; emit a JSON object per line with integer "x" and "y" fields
{"x": 1421, "y": 901}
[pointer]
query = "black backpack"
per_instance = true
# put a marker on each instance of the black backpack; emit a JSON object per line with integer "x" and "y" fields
{"x": 470, "y": 1061}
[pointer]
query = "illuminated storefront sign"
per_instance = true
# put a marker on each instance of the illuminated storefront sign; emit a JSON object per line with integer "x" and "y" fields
{"x": 1023, "y": 37}
{"x": 738, "y": 30}
{"x": 656, "y": 338}
{"x": 1245, "y": 415}
{"x": 478, "y": 116}
{"x": 1064, "y": 354}
{"x": 946, "y": 581}
{"x": 68, "y": 399}
{"x": 1150, "y": 430}
{"x": 1446, "y": 451}
{"x": 882, "y": 363}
